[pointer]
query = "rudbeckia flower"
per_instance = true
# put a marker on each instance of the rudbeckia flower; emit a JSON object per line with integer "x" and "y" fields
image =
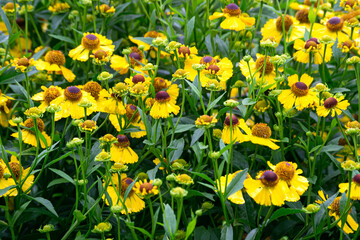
{"x": 206, "y": 121}
{"x": 121, "y": 65}
{"x": 113, "y": 103}
{"x": 334, "y": 210}
{"x": 6, "y": 182}
{"x": 237, "y": 135}
{"x": 28, "y": 136}
{"x": 164, "y": 105}
{"x": 334, "y": 27}
{"x": 257, "y": 68}
{"x": 91, "y": 42}
{"x": 236, "y": 197}
{"x": 234, "y": 19}
{"x": 300, "y": 93}
{"x": 100, "y": 57}
{"x": 220, "y": 69}
{"x": 274, "y": 28}
{"x": 22, "y": 64}
{"x": 97, "y": 92}
{"x": 355, "y": 187}
{"x": 147, "y": 47}
{"x": 289, "y": 173}
{"x": 146, "y": 189}
{"x": 314, "y": 48}
{"x": 17, "y": 172}
{"x": 260, "y": 134}
{"x": 187, "y": 52}
{"x": 116, "y": 191}
{"x": 47, "y": 96}
{"x": 122, "y": 152}
{"x": 161, "y": 84}
{"x": 69, "y": 103}
{"x": 133, "y": 117}
{"x": 266, "y": 189}
{"x": 349, "y": 46}
{"x": 138, "y": 78}
{"x": 332, "y": 105}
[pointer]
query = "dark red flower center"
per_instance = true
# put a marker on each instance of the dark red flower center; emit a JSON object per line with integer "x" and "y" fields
{"x": 138, "y": 78}
{"x": 235, "y": 120}
{"x": 330, "y": 103}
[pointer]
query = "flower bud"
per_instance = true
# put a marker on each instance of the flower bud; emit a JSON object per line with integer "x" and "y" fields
{"x": 157, "y": 182}
{"x": 312, "y": 208}
{"x": 178, "y": 192}
{"x": 247, "y": 58}
{"x": 104, "y": 76}
{"x": 17, "y": 120}
{"x": 215, "y": 155}
{"x": 103, "y": 157}
{"x": 53, "y": 108}
{"x": 160, "y": 42}
{"x": 231, "y": 103}
{"x": 198, "y": 66}
{"x": 47, "y": 228}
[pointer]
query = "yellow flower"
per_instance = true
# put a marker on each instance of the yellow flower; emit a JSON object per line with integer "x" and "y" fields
{"x": 334, "y": 210}
{"x": 355, "y": 187}
{"x": 6, "y": 182}
{"x": 29, "y": 137}
{"x": 349, "y": 46}
{"x": 106, "y": 10}
{"x": 22, "y": 64}
{"x": 335, "y": 28}
{"x": 145, "y": 188}
{"x": 69, "y": 101}
{"x": 187, "y": 52}
{"x": 236, "y": 197}
{"x": 138, "y": 78}
{"x": 100, "y": 57}
{"x": 267, "y": 190}
{"x": 184, "y": 179}
{"x": 9, "y": 8}
{"x": 5, "y": 112}
{"x": 314, "y": 48}
{"x": 113, "y": 103}
{"x": 237, "y": 135}
{"x": 274, "y": 28}
{"x": 206, "y": 121}
{"x": 116, "y": 191}
{"x": 121, "y": 65}
{"x": 91, "y": 42}
{"x": 215, "y": 68}
{"x": 102, "y": 227}
{"x": 47, "y": 95}
{"x": 260, "y": 134}
{"x": 300, "y": 93}
{"x": 164, "y": 105}
{"x": 88, "y": 126}
{"x": 332, "y": 105}
{"x": 122, "y": 152}
{"x": 289, "y": 173}
{"x": 348, "y": 5}
{"x": 255, "y": 70}
{"x": 147, "y": 47}
{"x": 261, "y": 106}
{"x": 20, "y": 174}
{"x": 134, "y": 119}
{"x": 234, "y": 19}
{"x": 157, "y": 161}
{"x": 59, "y": 8}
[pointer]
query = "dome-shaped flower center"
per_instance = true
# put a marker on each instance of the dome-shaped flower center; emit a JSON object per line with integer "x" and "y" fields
{"x": 55, "y": 57}
{"x": 125, "y": 183}
{"x": 335, "y": 206}
{"x": 151, "y": 34}
{"x": 206, "y": 118}
{"x": 23, "y": 62}
{"x": 308, "y": 2}
{"x": 312, "y": 43}
{"x": 261, "y": 130}
{"x": 135, "y": 56}
{"x": 116, "y": 96}
{"x": 123, "y": 141}
{"x": 350, "y": 3}
{"x": 260, "y": 65}
{"x": 184, "y": 51}
{"x": 104, "y": 7}
{"x": 90, "y": 42}
{"x": 159, "y": 84}
{"x": 15, "y": 168}
{"x": 288, "y": 23}
{"x": 93, "y": 88}
{"x": 184, "y": 178}
{"x": 9, "y": 6}
{"x": 138, "y": 88}
{"x": 29, "y": 123}
{"x": 2, "y": 171}
{"x": 303, "y": 15}
{"x": 213, "y": 69}
{"x": 108, "y": 137}
{"x": 50, "y": 94}
{"x": 335, "y": 24}
{"x": 353, "y": 124}
{"x": 100, "y": 54}
{"x": 300, "y": 89}
{"x": 330, "y": 103}
{"x": 73, "y": 93}
{"x": 162, "y": 96}
{"x": 348, "y": 43}
{"x": 232, "y": 9}
{"x": 356, "y": 179}
{"x": 342, "y": 142}
{"x": 207, "y": 60}
{"x": 88, "y": 124}
{"x": 235, "y": 120}
{"x": 138, "y": 78}
{"x": 130, "y": 111}
{"x": 146, "y": 186}
{"x": 269, "y": 178}
{"x": 285, "y": 170}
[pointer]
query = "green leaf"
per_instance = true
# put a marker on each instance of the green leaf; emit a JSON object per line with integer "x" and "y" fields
{"x": 204, "y": 176}
{"x": 63, "y": 38}
{"x": 248, "y": 101}
{"x": 5, "y": 190}
{"x": 190, "y": 228}
{"x": 227, "y": 232}
{"x": 183, "y": 128}
{"x": 236, "y": 183}
{"x": 342, "y": 203}
{"x": 179, "y": 148}
{"x": 213, "y": 103}
{"x": 57, "y": 181}
{"x": 6, "y": 21}
{"x": 169, "y": 221}
{"x": 131, "y": 225}
{"x": 197, "y": 134}
{"x": 195, "y": 90}
{"x": 18, "y": 212}
{"x": 252, "y": 234}
{"x": 63, "y": 175}
{"x": 312, "y": 15}
{"x": 283, "y": 212}
{"x": 129, "y": 188}
{"x": 190, "y": 28}
{"x": 46, "y": 203}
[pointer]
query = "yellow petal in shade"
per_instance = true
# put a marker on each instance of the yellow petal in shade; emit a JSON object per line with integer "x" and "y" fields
{"x": 68, "y": 74}
{"x": 123, "y": 155}
{"x": 233, "y": 23}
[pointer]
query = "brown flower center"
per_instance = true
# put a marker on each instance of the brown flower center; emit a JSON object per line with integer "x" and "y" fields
{"x": 100, "y": 54}
{"x": 335, "y": 206}
{"x": 235, "y": 120}
{"x": 88, "y": 124}
{"x": 207, "y": 60}
{"x": 356, "y": 179}
{"x": 159, "y": 84}
{"x": 50, "y": 94}
{"x": 213, "y": 69}
{"x": 308, "y": 2}
{"x": 123, "y": 141}
{"x": 288, "y": 23}
{"x": 55, "y": 57}
{"x": 29, "y": 123}
{"x": 162, "y": 96}
{"x": 90, "y": 42}
{"x": 206, "y": 118}
{"x": 330, "y": 103}
{"x": 260, "y": 65}
{"x": 135, "y": 56}
{"x": 350, "y": 3}
{"x": 232, "y": 9}
{"x": 93, "y": 88}
{"x": 300, "y": 89}
{"x": 269, "y": 178}
{"x": 261, "y": 130}
{"x": 23, "y": 62}
{"x": 303, "y": 15}
{"x": 125, "y": 183}
{"x": 335, "y": 24}
{"x": 348, "y": 43}
{"x": 184, "y": 51}
{"x": 15, "y": 168}
{"x": 312, "y": 43}
{"x": 151, "y": 34}
{"x": 73, "y": 93}
{"x": 9, "y": 6}
{"x": 130, "y": 111}
{"x": 138, "y": 78}
{"x": 285, "y": 170}
{"x": 2, "y": 171}
{"x": 147, "y": 186}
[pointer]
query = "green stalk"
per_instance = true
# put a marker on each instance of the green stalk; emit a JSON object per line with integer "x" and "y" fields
{"x": 26, "y": 27}
{"x": 201, "y": 100}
